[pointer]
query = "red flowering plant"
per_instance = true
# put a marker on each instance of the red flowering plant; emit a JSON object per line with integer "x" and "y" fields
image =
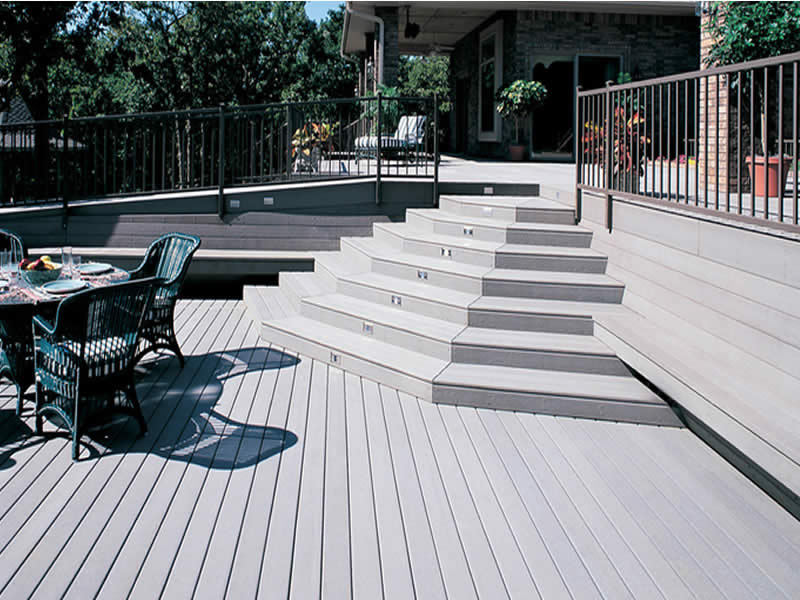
{"x": 628, "y": 141}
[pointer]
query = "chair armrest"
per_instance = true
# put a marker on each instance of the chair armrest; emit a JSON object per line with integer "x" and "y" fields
{"x": 40, "y": 323}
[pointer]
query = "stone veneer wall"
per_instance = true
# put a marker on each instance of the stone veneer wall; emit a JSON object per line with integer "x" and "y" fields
{"x": 653, "y": 45}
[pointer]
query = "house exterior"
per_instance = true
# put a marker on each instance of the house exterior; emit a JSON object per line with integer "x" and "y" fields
{"x": 491, "y": 44}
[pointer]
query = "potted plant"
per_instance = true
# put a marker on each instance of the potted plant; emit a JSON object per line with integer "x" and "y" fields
{"x": 518, "y": 100}
{"x": 308, "y": 144}
{"x": 745, "y": 31}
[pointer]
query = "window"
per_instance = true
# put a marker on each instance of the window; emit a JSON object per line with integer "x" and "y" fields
{"x": 490, "y": 70}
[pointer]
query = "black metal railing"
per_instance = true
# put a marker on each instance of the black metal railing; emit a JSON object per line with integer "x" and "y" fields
{"x": 216, "y": 148}
{"x": 698, "y": 139}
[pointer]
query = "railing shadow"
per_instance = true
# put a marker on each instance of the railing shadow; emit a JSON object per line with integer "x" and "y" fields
{"x": 197, "y": 431}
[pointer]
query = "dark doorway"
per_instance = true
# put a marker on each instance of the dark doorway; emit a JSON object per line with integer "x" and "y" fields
{"x": 462, "y": 99}
{"x": 552, "y": 122}
{"x": 595, "y": 71}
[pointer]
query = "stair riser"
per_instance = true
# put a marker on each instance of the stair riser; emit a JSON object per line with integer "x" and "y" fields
{"x": 460, "y": 255}
{"x": 524, "y": 215}
{"x": 553, "y": 291}
{"x": 556, "y": 405}
{"x": 483, "y": 233}
{"x": 327, "y": 277}
{"x": 412, "y": 304}
{"x": 435, "y": 279}
{"x": 567, "y": 264}
{"x": 539, "y": 359}
{"x": 485, "y": 211}
{"x": 531, "y": 322}
{"x": 381, "y": 332}
{"x": 575, "y": 239}
{"x": 347, "y": 362}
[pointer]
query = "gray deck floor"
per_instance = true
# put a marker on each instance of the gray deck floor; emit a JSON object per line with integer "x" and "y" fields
{"x": 268, "y": 475}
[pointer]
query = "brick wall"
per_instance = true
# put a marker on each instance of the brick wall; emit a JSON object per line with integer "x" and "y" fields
{"x": 650, "y": 46}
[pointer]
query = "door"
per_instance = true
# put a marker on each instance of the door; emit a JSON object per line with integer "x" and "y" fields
{"x": 552, "y": 121}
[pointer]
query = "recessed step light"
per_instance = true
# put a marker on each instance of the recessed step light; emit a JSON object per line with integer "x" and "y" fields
{"x": 335, "y": 358}
{"x": 488, "y": 190}
{"x": 487, "y": 211}
{"x": 422, "y": 275}
{"x": 397, "y": 300}
{"x": 468, "y": 231}
{"x": 367, "y": 328}
{"x": 447, "y": 252}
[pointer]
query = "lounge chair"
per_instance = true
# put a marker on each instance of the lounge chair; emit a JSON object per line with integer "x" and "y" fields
{"x": 87, "y": 356}
{"x": 16, "y": 345}
{"x": 167, "y": 258}
{"x": 409, "y": 137}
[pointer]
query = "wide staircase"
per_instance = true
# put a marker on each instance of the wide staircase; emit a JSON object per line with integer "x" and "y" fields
{"x": 487, "y": 301}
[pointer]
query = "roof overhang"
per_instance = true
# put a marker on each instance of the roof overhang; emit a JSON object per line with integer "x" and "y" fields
{"x": 443, "y": 24}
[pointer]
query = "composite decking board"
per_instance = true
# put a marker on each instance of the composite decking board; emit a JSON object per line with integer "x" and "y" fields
{"x": 544, "y": 515}
{"x": 538, "y": 559}
{"x": 117, "y": 538}
{"x": 647, "y": 553}
{"x": 336, "y": 560}
{"x": 44, "y": 487}
{"x": 276, "y": 570}
{"x": 185, "y": 570}
{"x": 141, "y": 568}
{"x": 698, "y": 509}
{"x": 364, "y": 548}
{"x": 603, "y": 528}
{"x": 512, "y": 565}
{"x": 770, "y": 554}
{"x": 445, "y": 469}
{"x": 699, "y": 564}
{"x": 425, "y": 570}
{"x": 483, "y": 565}
{"x": 221, "y": 547}
{"x": 246, "y": 576}
{"x": 395, "y": 562}
{"x": 451, "y": 557}
{"x": 600, "y": 566}
{"x": 61, "y": 543}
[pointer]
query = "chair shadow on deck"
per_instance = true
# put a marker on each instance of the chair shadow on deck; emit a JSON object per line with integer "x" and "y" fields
{"x": 197, "y": 430}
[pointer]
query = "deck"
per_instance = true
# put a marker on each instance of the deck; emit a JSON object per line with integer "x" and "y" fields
{"x": 270, "y": 475}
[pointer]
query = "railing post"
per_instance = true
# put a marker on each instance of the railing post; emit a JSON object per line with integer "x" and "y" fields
{"x": 378, "y": 159}
{"x": 221, "y": 174}
{"x": 63, "y": 175}
{"x": 578, "y": 156}
{"x": 289, "y": 141}
{"x": 435, "y": 150}
{"x": 608, "y": 159}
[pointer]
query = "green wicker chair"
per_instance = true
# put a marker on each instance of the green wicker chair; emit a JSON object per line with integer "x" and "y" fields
{"x": 168, "y": 258}
{"x": 16, "y": 345}
{"x": 87, "y": 357}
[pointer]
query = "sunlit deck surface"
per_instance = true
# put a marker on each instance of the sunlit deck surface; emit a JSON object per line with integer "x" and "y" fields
{"x": 270, "y": 475}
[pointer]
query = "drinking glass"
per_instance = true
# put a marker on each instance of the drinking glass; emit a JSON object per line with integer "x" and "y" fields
{"x": 4, "y": 260}
{"x": 66, "y": 260}
{"x": 76, "y": 263}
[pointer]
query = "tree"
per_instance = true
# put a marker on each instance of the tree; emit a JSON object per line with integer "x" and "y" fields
{"x": 426, "y": 75}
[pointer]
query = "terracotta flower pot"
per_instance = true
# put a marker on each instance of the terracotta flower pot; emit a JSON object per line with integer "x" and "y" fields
{"x": 517, "y": 152}
{"x": 757, "y": 178}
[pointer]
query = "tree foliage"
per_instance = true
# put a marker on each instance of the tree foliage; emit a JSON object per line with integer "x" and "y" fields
{"x": 424, "y": 76}
{"x": 743, "y": 31}
{"x": 103, "y": 57}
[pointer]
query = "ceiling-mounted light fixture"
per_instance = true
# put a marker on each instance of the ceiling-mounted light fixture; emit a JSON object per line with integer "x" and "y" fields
{"x": 412, "y": 29}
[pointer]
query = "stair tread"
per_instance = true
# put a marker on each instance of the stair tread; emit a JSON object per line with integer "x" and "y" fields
{"x": 532, "y": 340}
{"x": 507, "y": 201}
{"x": 536, "y": 305}
{"x": 306, "y": 282}
{"x": 333, "y": 261}
{"x": 364, "y": 347}
{"x": 558, "y": 383}
{"x": 389, "y": 316}
{"x": 386, "y": 253}
{"x": 409, "y": 232}
{"x": 440, "y": 215}
{"x": 407, "y": 287}
{"x": 563, "y": 277}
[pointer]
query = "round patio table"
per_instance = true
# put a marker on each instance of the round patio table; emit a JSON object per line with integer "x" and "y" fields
{"x": 18, "y": 305}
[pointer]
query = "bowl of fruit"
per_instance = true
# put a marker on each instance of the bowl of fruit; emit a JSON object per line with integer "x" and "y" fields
{"x": 40, "y": 271}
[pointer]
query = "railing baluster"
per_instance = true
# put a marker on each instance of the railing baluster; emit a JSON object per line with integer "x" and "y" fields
{"x": 780, "y": 143}
{"x": 765, "y": 140}
{"x": 794, "y": 141}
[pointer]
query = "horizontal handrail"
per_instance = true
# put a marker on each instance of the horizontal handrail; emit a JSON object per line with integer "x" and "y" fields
{"x": 697, "y": 138}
